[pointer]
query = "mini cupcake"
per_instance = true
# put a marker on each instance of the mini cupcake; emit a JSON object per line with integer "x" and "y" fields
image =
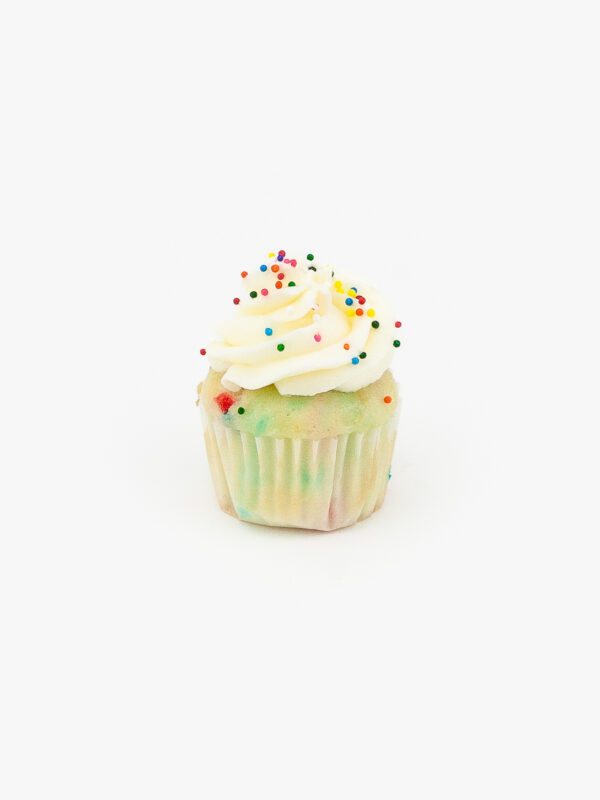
{"x": 299, "y": 406}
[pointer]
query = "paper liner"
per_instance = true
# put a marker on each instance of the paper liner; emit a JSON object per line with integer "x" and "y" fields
{"x": 319, "y": 484}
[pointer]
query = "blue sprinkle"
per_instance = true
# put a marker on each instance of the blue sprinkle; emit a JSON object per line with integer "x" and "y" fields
{"x": 349, "y": 301}
{"x": 269, "y": 331}
{"x": 279, "y": 258}
{"x": 263, "y": 268}
{"x": 354, "y": 289}
{"x": 355, "y": 360}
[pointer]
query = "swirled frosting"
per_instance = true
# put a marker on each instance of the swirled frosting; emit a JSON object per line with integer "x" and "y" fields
{"x": 306, "y": 328}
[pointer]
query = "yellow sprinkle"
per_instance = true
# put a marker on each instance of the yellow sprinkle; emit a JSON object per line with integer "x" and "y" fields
{"x": 351, "y": 312}
{"x": 370, "y": 313}
{"x": 352, "y": 292}
{"x": 340, "y": 291}
{"x": 338, "y": 284}
{"x": 271, "y": 255}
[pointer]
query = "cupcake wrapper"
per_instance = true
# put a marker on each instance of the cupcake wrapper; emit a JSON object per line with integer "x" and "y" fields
{"x": 319, "y": 484}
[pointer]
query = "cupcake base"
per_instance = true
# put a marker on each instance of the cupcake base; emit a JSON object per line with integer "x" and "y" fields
{"x": 316, "y": 484}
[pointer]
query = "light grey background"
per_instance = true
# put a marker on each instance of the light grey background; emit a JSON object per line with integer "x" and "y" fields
{"x": 153, "y": 647}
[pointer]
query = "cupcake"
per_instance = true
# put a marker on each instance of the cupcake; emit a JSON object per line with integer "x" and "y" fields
{"x": 299, "y": 406}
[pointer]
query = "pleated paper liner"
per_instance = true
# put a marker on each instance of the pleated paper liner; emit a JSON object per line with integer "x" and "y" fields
{"x": 321, "y": 484}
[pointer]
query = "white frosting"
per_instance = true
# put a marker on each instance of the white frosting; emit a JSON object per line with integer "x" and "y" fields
{"x": 313, "y": 307}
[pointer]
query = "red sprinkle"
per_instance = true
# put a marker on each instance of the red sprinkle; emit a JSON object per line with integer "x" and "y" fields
{"x": 236, "y": 301}
{"x": 286, "y": 261}
{"x": 281, "y": 253}
{"x": 224, "y": 401}
{"x": 281, "y": 276}
{"x": 293, "y": 262}
{"x": 317, "y": 337}
{"x": 398, "y": 324}
{"x": 387, "y": 399}
{"x": 203, "y": 352}
{"x": 361, "y": 299}
{"x": 264, "y": 292}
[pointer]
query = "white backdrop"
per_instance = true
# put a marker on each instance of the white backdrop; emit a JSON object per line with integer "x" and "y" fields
{"x": 152, "y": 647}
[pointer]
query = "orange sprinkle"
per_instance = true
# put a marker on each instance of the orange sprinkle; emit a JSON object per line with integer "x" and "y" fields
{"x": 244, "y": 274}
{"x": 275, "y": 268}
{"x": 359, "y": 312}
{"x": 278, "y": 285}
{"x": 346, "y": 347}
{"x": 387, "y": 399}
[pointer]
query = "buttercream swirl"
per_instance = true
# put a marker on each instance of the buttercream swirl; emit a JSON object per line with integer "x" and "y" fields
{"x": 304, "y": 328}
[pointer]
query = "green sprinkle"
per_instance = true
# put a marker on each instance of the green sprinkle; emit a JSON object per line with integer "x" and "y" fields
{"x": 310, "y": 257}
{"x": 297, "y": 402}
{"x": 396, "y": 343}
{"x": 363, "y": 355}
{"x": 281, "y": 347}
{"x": 305, "y": 477}
{"x": 291, "y": 283}
{"x": 241, "y": 410}
{"x": 375, "y": 324}
{"x": 253, "y": 294}
{"x": 261, "y": 426}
